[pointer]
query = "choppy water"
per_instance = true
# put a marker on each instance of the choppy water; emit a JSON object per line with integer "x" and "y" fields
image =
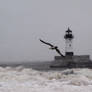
{"x": 20, "y": 79}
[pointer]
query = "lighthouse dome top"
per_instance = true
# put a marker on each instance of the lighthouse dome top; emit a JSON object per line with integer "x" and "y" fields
{"x": 69, "y": 30}
{"x": 68, "y": 34}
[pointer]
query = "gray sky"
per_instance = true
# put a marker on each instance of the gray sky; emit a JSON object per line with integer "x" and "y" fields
{"x": 23, "y": 22}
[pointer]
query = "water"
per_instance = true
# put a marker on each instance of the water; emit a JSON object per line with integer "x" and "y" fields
{"x": 22, "y": 79}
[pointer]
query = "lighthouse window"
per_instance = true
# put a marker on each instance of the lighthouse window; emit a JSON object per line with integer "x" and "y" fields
{"x": 70, "y": 32}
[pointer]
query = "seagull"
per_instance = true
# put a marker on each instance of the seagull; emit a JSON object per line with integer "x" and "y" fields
{"x": 53, "y": 47}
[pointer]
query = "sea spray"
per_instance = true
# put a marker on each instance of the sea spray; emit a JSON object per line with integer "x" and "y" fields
{"x": 20, "y": 79}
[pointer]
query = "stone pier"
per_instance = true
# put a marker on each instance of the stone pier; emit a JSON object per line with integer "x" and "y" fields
{"x": 76, "y": 61}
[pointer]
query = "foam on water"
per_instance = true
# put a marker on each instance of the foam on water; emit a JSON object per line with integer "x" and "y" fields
{"x": 21, "y": 79}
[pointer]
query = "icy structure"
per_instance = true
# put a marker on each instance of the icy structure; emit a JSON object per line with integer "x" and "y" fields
{"x": 21, "y": 79}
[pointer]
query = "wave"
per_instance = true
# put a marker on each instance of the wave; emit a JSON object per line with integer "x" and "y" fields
{"x": 20, "y": 79}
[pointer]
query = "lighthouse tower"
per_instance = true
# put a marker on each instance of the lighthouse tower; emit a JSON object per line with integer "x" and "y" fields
{"x": 68, "y": 41}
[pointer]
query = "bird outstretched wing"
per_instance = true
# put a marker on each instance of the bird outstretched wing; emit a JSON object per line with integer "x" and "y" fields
{"x": 53, "y": 47}
{"x": 46, "y": 43}
{"x": 58, "y": 51}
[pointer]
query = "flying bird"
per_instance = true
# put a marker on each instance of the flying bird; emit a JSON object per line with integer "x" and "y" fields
{"x": 53, "y": 48}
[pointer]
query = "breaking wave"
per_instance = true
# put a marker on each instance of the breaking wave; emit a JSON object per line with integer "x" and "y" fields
{"x": 20, "y": 79}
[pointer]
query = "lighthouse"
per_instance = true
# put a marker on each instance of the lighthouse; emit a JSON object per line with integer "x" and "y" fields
{"x": 71, "y": 60}
{"x": 68, "y": 42}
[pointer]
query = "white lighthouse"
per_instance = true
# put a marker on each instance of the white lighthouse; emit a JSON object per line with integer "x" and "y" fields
{"x": 68, "y": 41}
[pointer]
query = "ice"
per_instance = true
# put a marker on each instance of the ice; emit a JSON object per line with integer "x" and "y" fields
{"x": 22, "y": 79}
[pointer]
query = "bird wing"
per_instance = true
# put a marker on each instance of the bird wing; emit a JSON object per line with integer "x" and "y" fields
{"x": 46, "y": 43}
{"x": 58, "y": 51}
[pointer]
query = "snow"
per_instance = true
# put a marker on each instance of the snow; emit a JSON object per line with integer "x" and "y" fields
{"x": 21, "y": 79}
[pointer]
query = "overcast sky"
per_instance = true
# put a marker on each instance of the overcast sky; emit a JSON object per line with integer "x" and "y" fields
{"x": 23, "y": 22}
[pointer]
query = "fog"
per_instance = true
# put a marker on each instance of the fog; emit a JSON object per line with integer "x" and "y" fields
{"x": 23, "y": 22}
